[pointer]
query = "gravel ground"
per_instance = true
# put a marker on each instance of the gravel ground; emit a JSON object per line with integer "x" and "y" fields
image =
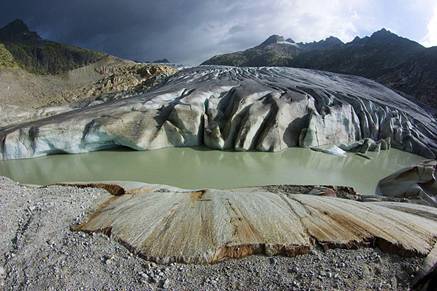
{"x": 39, "y": 252}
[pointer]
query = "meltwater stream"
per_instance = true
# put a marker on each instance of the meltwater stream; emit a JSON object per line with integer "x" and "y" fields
{"x": 200, "y": 168}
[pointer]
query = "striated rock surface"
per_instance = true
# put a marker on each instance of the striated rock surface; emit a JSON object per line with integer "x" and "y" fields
{"x": 167, "y": 224}
{"x": 263, "y": 109}
{"x": 417, "y": 182}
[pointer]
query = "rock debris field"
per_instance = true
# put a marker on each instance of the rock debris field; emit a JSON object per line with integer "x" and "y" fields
{"x": 40, "y": 251}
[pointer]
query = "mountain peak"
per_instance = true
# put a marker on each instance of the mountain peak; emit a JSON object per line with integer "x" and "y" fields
{"x": 17, "y": 25}
{"x": 327, "y": 43}
{"x": 333, "y": 40}
{"x": 383, "y": 33}
{"x": 161, "y": 61}
{"x": 17, "y": 30}
{"x": 381, "y": 36}
{"x": 273, "y": 39}
{"x": 386, "y": 37}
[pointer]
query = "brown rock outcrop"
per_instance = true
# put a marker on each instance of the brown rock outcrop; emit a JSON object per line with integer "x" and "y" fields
{"x": 166, "y": 224}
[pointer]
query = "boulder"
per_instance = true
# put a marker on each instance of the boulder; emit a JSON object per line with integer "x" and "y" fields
{"x": 417, "y": 182}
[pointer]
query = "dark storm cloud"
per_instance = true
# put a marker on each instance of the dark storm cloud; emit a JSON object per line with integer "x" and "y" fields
{"x": 182, "y": 30}
{"x": 130, "y": 28}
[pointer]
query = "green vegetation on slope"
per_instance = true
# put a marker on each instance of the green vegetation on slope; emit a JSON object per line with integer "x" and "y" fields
{"x": 6, "y": 58}
{"x": 40, "y": 56}
{"x": 46, "y": 57}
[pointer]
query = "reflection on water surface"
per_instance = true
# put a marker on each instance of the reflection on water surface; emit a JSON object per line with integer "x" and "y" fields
{"x": 199, "y": 168}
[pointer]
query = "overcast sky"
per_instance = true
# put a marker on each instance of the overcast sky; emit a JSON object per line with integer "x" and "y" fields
{"x": 191, "y": 31}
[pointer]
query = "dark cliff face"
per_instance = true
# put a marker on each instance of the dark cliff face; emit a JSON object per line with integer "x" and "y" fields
{"x": 416, "y": 77}
{"x": 397, "y": 62}
{"x": 369, "y": 56}
{"x": 37, "y": 55}
{"x": 17, "y": 31}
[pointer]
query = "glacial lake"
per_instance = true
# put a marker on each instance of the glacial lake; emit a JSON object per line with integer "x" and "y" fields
{"x": 199, "y": 168}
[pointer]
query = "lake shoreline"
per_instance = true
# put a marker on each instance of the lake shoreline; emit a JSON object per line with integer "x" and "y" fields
{"x": 202, "y": 168}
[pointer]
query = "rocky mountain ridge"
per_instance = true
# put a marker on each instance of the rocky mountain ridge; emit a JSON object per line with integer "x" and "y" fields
{"x": 392, "y": 60}
{"x": 276, "y": 50}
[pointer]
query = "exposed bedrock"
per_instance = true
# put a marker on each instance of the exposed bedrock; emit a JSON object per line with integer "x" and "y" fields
{"x": 168, "y": 224}
{"x": 263, "y": 109}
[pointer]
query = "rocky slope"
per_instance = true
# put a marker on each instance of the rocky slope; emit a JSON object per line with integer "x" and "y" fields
{"x": 37, "y": 73}
{"x": 264, "y": 109}
{"x": 274, "y": 51}
{"x": 397, "y": 62}
{"x": 26, "y": 96}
